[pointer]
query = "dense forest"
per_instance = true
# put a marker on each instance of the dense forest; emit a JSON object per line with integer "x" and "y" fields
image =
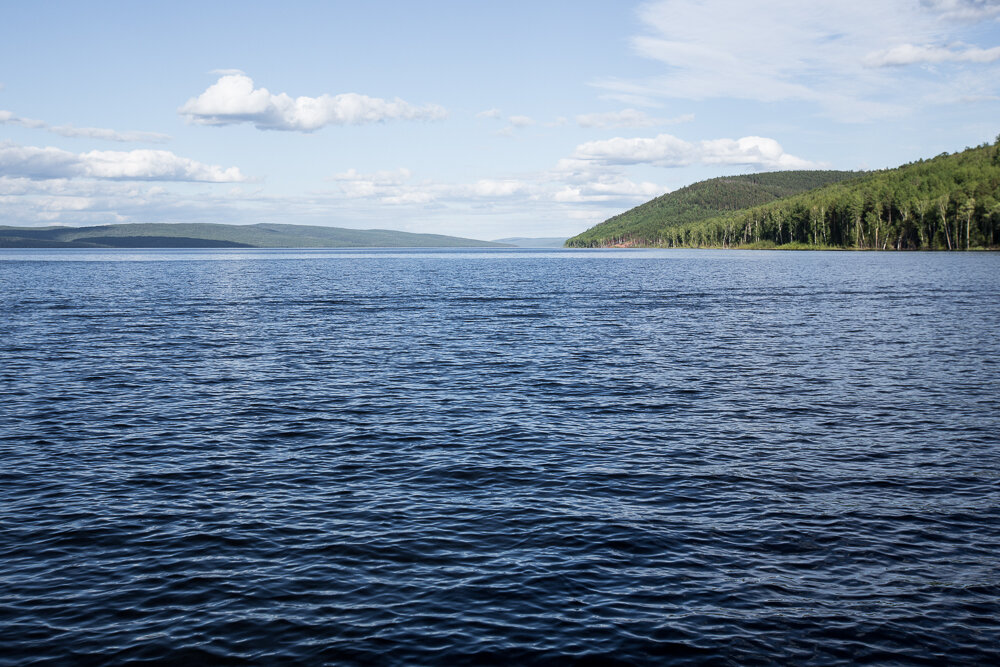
{"x": 645, "y": 223}
{"x": 949, "y": 202}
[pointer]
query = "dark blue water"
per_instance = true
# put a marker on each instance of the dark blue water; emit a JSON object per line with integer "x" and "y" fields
{"x": 519, "y": 457}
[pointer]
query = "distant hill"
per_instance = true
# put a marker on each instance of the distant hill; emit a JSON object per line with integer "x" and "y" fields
{"x": 534, "y": 242}
{"x": 203, "y": 235}
{"x": 645, "y": 224}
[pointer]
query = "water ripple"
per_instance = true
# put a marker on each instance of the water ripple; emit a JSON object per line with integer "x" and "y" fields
{"x": 499, "y": 457}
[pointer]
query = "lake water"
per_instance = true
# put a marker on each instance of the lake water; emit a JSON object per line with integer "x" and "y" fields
{"x": 523, "y": 456}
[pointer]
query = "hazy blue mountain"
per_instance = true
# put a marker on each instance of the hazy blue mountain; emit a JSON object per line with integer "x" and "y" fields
{"x": 204, "y": 235}
{"x": 534, "y": 242}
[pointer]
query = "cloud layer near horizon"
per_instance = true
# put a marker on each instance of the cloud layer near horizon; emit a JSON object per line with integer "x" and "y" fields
{"x": 139, "y": 165}
{"x": 233, "y": 99}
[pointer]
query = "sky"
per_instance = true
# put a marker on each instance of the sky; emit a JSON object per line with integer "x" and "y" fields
{"x": 478, "y": 119}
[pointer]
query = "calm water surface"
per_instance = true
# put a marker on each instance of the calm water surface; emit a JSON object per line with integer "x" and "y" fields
{"x": 414, "y": 457}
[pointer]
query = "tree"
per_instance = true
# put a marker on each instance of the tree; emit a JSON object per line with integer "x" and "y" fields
{"x": 942, "y": 204}
{"x": 968, "y": 208}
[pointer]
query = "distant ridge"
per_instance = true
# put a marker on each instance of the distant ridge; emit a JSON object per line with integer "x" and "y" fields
{"x": 208, "y": 235}
{"x": 645, "y": 224}
{"x": 534, "y": 241}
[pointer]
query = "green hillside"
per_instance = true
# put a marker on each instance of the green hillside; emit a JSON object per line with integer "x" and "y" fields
{"x": 198, "y": 235}
{"x": 950, "y": 202}
{"x": 645, "y": 224}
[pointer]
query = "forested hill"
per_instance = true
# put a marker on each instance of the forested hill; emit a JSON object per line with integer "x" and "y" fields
{"x": 198, "y": 235}
{"x": 950, "y": 202}
{"x": 645, "y": 224}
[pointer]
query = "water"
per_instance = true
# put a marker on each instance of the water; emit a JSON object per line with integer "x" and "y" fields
{"x": 499, "y": 456}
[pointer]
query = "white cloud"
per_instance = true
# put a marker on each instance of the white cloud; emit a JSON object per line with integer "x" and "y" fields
{"x": 910, "y": 54}
{"x": 397, "y": 187}
{"x": 589, "y": 185}
{"x": 666, "y": 150}
{"x": 8, "y": 117}
{"x": 354, "y": 184}
{"x": 233, "y": 99}
{"x": 965, "y": 10}
{"x": 520, "y": 121}
{"x": 515, "y": 122}
{"x": 156, "y": 166}
{"x": 818, "y": 52}
{"x": 628, "y": 118}
{"x": 387, "y": 177}
{"x": 91, "y": 201}
{"x": 109, "y": 135}
{"x": 138, "y": 165}
{"x": 608, "y": 189}
{"x": 594, "y": 185}
{"x": 489, "y": 187}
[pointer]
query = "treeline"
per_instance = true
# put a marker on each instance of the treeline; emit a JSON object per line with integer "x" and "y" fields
{"x": 949, "y": 202}
{"x": 706, "y": 199}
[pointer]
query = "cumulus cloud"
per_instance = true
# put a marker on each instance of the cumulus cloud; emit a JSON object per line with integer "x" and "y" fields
{"x": 628, "y": 118}
{"x": 821, "y": 53}
{"x": 138, "y": 165}
{"x": 666, "y": 150}
{"x": 233, "y": 99}
{"x": 489, "y": 113}
{"x": 910, "y": 54}
{"x": 9, "y": 118}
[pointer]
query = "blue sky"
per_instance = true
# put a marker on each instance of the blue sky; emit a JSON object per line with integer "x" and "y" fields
{"x": 470, "y": 118}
